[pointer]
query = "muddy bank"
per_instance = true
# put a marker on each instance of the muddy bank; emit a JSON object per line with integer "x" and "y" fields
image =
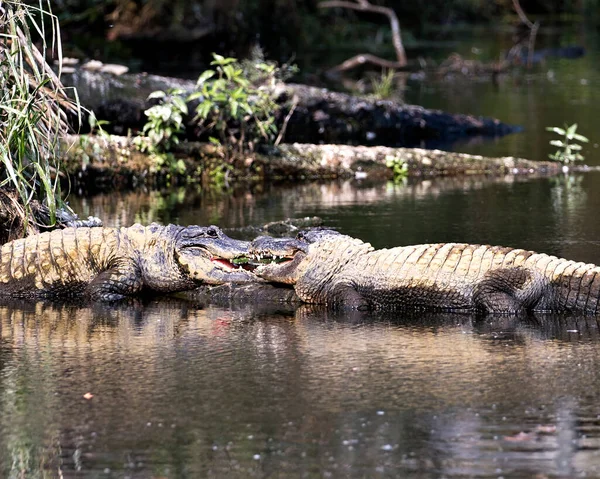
{"x": 108, "y": 162}
{"x": 319, "y": 115}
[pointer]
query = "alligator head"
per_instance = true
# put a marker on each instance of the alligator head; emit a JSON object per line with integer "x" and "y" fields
{"x": 208, "y": 255}
{"x": 279, "y": 259}
{"x": 192, "y": 255}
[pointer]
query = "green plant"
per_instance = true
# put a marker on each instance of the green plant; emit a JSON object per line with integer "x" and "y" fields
{"x": 33, "y": 104}
{"x": 165, "y": 120}
{"x": 239, "y": 111}
{"x": 568, "y": 150}
{"x": 399, "y": 168}
{"x": 163, "y": 128}
{"x": 383, "y": 87}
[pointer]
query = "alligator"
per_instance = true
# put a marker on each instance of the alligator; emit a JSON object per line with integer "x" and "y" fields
{"x": 326, "y": 267}
{"x": 109, "y": 264}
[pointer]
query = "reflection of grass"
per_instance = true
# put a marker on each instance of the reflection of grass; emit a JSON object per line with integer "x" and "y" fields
{"x": 160, "y": 205}
{"x": 30, "y": 461}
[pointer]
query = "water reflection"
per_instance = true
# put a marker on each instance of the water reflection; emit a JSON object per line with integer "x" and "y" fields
{"x": 239, "y": 208}
{"x": 551, "y": 215}
{"x": 187, "y": 389}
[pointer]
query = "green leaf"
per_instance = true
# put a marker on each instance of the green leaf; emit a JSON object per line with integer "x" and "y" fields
{"x": 221, "y": 60}
{"x": 157, "y": 94}
{"x": 571, "y": 130}
{"x": 229, "y": 71}
{"x": 239, "y": 94}
{"x": 180, "y": 104}
{"x": 242, "y": 81}
{"x": 557, "y": 130}
{"x": 205, "y": 75}
{"x": 194, "y": 96}
{"x": 177, "y": 118}
{"x": 165, "y": 113}
{"x": 203, "y": 109}
{"x": 558, "y": 143}
{"x": 578, "y": 137}
{"x": 247, "y": 109}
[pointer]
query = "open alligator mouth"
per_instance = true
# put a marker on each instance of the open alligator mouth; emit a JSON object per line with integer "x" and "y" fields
{"x": 241, "y": 262}
{"x": 251, "y": 262}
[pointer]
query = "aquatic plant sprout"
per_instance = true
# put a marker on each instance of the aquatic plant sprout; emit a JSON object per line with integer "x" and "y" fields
{"x": 568, "y": 150}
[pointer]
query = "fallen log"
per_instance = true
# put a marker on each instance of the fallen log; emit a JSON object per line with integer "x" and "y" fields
{"x": 106, "y": 162}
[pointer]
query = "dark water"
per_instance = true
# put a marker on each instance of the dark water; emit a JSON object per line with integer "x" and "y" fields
{"x": 182, "y": 389}
{"x": 555, "y": 92}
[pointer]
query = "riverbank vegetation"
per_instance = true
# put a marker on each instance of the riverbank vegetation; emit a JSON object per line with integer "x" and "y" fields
{"x": 234, "y": 108}
{"x": 34, "y": 113}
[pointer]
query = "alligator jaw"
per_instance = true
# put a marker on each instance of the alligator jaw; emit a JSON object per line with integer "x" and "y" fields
{"x": 266, "y": 258}
{"x": 238, "y": 263}
{"x": 280, "y": 269}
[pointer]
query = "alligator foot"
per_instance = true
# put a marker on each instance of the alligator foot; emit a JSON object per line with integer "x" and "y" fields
{"x": 508, "y": 291}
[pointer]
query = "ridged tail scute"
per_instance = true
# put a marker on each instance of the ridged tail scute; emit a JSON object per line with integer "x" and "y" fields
{"x": 577, "y": 287}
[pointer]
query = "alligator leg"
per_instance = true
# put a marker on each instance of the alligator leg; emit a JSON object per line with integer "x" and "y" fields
{"x": 346, "y": 296}
{"x": 508, "y": 290}
{"x": 116, "y": 283}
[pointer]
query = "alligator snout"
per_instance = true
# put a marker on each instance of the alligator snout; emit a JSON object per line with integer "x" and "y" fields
{"x": 266, "y": 249}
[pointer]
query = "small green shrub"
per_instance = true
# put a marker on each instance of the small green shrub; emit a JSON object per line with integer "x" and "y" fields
{"x": 165, "y": 120}
{"x": 399, "y": 168}
{"x": 235, "y": 107}
{"x": 163, "y": 129}
{"x": 568, "y": 148}
{"x": 239, "y": 112}
{"x": 33, "y": 104}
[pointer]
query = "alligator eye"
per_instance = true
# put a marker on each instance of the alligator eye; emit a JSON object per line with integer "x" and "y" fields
{"x": 212, "y": 232}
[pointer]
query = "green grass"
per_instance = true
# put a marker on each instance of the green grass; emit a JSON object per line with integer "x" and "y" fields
{"x": 33, "y": 103}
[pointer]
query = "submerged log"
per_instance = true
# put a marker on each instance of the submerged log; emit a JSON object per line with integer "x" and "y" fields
{"x": 106, "y": 162}
{"x": 319, "y": 116}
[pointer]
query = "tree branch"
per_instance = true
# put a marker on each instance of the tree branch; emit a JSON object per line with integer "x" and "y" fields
{"x": 533, "y": 27}
{"x": 365, "y": 6}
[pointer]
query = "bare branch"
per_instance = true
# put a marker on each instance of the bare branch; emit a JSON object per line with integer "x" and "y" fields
{"x": 286, "y": 121}
{"x": 522, "y": 14}
{"x": 533, "y": 27}
{"x": 365, "y": 6}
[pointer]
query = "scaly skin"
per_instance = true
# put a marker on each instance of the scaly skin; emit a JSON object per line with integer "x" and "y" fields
{"x": 112, "y": 263}
{"x": 337, "y": 270}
